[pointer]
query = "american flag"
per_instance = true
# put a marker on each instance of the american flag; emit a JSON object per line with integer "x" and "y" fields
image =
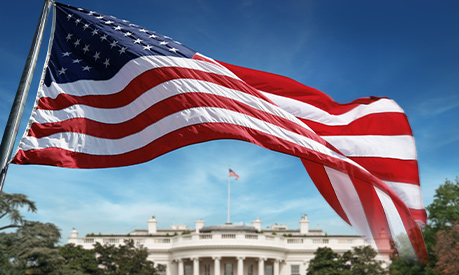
{"x": 116, "y": 94}
{"x": 233, "y": 174}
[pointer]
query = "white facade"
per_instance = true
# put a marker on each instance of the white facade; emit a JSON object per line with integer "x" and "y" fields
{"x": 231, "y": 249}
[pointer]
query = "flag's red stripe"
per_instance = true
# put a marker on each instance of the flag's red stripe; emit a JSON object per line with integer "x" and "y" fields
{"x": 372, "y": 124}
{"x": 287, "y": 87}
{"x": 374, "y": 211}
{"x": 415, "y": 236}
{"x": 318, "y": 175}
{"x": 160, "y": 110}
{"x": 387, "y": 169}
{"x": 182, "y": 137}
{"x": 419, "y": 215}
{"x": 140, "y": 85}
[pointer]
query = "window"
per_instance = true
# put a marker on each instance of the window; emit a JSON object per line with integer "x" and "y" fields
{"x": 250, "y": 269}
{"x": 295, "y": 270}
{"x": 188, "y": 270}
{"x": 207, "y": 269}
{"x": 318, "y": 241}
{"x": 228, "y": 269}
{"x": 269, "y": 270}
{"x": 162, "y": 269}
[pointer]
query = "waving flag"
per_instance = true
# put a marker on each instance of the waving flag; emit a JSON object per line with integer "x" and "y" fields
{"x": 116, "y": 94}
{"x": 233, "y": 174}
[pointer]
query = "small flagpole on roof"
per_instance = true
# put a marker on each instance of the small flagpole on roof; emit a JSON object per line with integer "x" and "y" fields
{"x": 229, "y": 188}
{"x": 14, "y": 119}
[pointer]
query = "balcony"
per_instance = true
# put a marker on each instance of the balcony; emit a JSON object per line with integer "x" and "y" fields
{"x": 224, "y": 239}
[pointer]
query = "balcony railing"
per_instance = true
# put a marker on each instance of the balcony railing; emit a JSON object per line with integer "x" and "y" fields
{"x": 225, "y": 239}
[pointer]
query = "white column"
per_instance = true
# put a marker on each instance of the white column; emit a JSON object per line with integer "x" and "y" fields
{"x": 168, "y": 268}
{"x": 195, "y": 266}
{"x": 276, "y": 267}
{"x": 261, "y": 266}
{"x": 216, "y": 265}
{"x": 240, "y": 265}
{"x": 180, "y": 267}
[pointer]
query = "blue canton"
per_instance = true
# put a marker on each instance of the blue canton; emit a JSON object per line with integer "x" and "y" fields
{"x": 91, "y": 45}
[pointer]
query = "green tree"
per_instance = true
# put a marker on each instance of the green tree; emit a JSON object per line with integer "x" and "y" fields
{"x": 32, "y": 248}
{"x": 326, "y": 262}
{"x": 447, "y": 249}
{"x": 10, "y": 205}
{"x": 363, "y": 261}
{"x": 79, "y": 260}
{"x": 124, "y": 259}
{"x": 443, "y": 213}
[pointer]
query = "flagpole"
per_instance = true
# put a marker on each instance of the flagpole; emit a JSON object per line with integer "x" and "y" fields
{"x": 229, "y": 189}
{"x": 14, "y": 119}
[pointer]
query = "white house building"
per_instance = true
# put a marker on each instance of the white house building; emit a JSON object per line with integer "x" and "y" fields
{"x": 232, "y": 249}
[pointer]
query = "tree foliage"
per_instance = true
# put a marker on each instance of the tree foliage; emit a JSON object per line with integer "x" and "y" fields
{"x": 447, "y": 250}
{"x": 361, "y": 260}
{"x": 10, "y": 206}
{"x": 79, "y": 260}
{"x": 325, "y": 262}
{"x": 124, "y": 259}
{"x": 443, "y": 213}
{"x": 32, "y": 248}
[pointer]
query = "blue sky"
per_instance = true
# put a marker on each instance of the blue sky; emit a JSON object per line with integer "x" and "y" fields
{"x": 405, "y": 50}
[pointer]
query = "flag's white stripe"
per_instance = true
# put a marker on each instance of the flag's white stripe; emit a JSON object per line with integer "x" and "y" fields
{"x": 91, "y": 145}
{"x": 349, "y": 200}
{"x": 397, "y": 147}
{"x": 155, "y": 95}
{"x": 310, "y": 112}
{"x": 397, "y": 228}
{"x": 130, "y": 70}
{"x": 409, "y": 193}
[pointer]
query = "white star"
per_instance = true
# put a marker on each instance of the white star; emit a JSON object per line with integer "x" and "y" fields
{"x": 62, "y": 71}
{"x": 86, "y": 68}
{"x": 153, "y": 36}
{"x": 94, "y": 32}
{"x": 69, "y": 36}
{"x": 77, "y": 42}
{"x": 91, "y": 12}
{"x": 65, "y": 54}
{"x": 96, "y": 56}
{"x": 85, "y": 26}
{"x": 77, "y": 21}
{"x": 173, "y": 50}
{"x": 147, "y": 47}
{"x": 77, "y": 61}
{"x": 69, "y": 16}
{"x": 143, "y": 30}
{"x": 137, "y": 41}
{"x": 100, "y": 17}
{"x": 118, "y": 28}
{"x": 109, "y": 22}
{"x": 86, "y": 48}
{"x": 127, "y": 34}
{"x": 103, "y": 37}
{"x": 113, "y": 44}
{"x": 122, "y": 50}
{"x": 163, "y": 43}
{"x": 107, "y": 62}
{"x": 167, "y": 37}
